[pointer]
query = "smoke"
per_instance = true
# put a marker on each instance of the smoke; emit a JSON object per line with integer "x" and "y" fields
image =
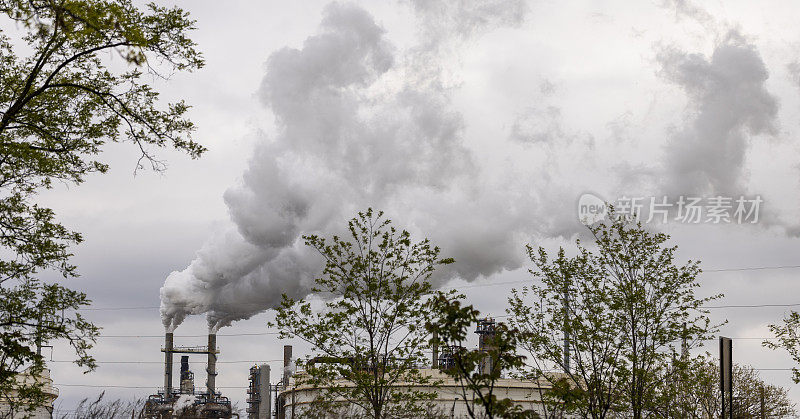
{"x": 359, "y": 124}
{"x": 728, "y": 103}
{"x": 362, "y": 123}
{"x": 687, "y": 9}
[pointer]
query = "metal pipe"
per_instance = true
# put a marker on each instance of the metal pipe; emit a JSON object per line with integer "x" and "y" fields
{"x": 287, "y": 364}
{"x": 211, "y": 368}
{"x": 168, "y": 339}
{"x": 263, "y": 393}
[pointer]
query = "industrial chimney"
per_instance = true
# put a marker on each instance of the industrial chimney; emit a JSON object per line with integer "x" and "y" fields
{"x": 287, "y": 364}
{"x": 187, "y": 378}
{"x": 212, "y": 365}
{"x": 168, "y": 339}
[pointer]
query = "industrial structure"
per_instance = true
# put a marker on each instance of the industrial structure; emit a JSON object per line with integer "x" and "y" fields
{"x": 259, "y": 393}
{"x": 185, "y": 401}
{"x": 292, "y": 396}
{"x": 13, "y": 406}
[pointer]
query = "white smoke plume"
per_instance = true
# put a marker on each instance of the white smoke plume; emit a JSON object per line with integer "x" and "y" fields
{"x": 359, "y": 124}
{"x": 729, "y": 104}
{"x": 362, "y": 123}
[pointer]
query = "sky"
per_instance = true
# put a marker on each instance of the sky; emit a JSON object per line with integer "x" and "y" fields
{"x": 478, "y": 125}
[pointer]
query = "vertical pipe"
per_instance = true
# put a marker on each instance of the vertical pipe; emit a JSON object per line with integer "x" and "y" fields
{"x": 287, "y": 365}
{"x": 211, "y": 368}
{"x": 168, "y": 340}
{"x": 265, "y": 397}
{"x": 435, "y": 360}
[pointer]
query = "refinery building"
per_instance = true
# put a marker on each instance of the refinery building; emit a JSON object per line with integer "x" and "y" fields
{"x": 282, "y": 397}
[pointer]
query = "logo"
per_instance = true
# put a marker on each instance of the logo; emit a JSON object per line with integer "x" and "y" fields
{"x": 591, "y": 209}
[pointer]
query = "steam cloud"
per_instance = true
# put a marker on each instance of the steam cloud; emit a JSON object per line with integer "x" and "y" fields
{"x": 729, "y": 103}
{"x": 361, "y": 123}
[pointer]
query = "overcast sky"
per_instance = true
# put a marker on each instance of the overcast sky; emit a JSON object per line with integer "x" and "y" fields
{"x": 477, "y": 126}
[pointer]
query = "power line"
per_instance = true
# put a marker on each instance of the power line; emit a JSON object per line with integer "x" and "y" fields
{"x": 244, "y": 387}
{"x": 161, "y": 362}
{"x": 118, "y": 386}
{"x": 753, "y": 268}
{"x": 191, "y": 336}
{"x": 494, "y": 284}
{"x": 754, "y": 305}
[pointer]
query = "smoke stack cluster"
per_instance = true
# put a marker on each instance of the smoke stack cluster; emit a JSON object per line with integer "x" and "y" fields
{"x": 186, "y": 377}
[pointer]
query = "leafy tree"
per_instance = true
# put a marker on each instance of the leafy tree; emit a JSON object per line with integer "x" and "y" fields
{"x": 589, "y": 384}
{"x": 788, "y": 338}
{"x": 369, "y": 332}
{"x": 62, "y": 98}
{"x": 696, "y": 394}
{"x": 477, "y": 371}
{"x": 611, "y": 319}
{"x": 748, "y": 391}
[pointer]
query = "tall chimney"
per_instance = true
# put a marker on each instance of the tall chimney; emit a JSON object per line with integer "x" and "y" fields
{"x": 265, "y": 396}
{"x": 212, "y": 364}
{"x": 168, "y": 366}
{"x": 187, "y": 378}
{"x": 287, "y": 364}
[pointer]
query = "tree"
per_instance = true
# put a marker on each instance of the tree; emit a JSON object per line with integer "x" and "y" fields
{"x": 590, "y": 360}
{"x": 62, "y": 98}
{"x": 788, "y": 338}
{"x": 749, "y": 391}
{"x": 476, "y": 371}
{"x": 697, "y": 394}
{"x": 612, "y": 319}
{"x": 369, "y": 331}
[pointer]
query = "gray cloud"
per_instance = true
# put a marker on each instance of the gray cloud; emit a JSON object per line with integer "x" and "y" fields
{"x": 538, "y": 126}
{"x": 464, "y": 18}
{"x": 687, "y": 9}
{"x": 728, "y": 103}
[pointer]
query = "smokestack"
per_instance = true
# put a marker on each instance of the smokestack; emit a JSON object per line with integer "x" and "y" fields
{"x": 168, "y": 366}
{"x": 287, "y": 364}
{"x": 265, "y": 396}
{"x": 187, "y": 378}
{"x": 212, "y": 364}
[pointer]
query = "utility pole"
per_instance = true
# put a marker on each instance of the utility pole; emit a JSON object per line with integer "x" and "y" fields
{"x": 684, "y": 363}
{"x": 566, "y": 326}
{"x": 726, "y": 376}
{"x": 763, "y": 406}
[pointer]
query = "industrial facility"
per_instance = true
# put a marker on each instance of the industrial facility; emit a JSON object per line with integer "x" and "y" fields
{"x": 184, "y": 401}
{"x": 10, "y": 405}
{"x": 289, "y": 397}
{"x": 292, "y": 398}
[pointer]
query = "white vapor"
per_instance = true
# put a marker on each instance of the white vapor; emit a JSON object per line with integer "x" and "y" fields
{"x": 362, "y": 123}
{"x": 359, "y": 124}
